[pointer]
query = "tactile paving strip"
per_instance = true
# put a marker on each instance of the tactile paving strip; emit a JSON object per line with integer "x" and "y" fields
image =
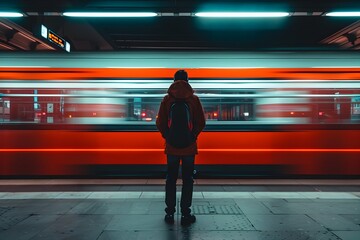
{"x": 216, "y": 209}
{"x": 298, "y": 235}
{"x": 264, "y": 235}
{"x": 222, "y": 223}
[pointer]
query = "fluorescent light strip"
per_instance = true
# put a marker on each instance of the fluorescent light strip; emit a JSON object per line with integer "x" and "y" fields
{"x": 343, "y": 14}
{"x": 11, "y": 14}
{"x": 110, "y": 14}
{"x": 241, "y": 14}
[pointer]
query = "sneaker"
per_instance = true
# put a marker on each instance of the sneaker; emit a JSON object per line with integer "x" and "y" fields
{"x": 169, "y": 218}
{"x": 187, "y": 219}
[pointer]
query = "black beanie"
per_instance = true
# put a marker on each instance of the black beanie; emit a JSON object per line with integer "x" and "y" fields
{"x": 181, "y": 75}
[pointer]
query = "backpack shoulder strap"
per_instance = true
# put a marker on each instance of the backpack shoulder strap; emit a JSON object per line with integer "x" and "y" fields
{"x": 188, "y": 112}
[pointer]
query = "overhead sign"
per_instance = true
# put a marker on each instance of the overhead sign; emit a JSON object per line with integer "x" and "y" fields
{"x": 54, "y": 38}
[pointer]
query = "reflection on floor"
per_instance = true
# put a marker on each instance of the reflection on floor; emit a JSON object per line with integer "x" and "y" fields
{"x": 135, "y": 211}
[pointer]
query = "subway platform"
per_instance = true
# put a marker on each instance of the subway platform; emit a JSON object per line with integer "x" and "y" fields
{"x": 106, "y": 209}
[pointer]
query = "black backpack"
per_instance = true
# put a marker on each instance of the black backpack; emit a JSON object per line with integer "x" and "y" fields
{"x": 180, "y": 125}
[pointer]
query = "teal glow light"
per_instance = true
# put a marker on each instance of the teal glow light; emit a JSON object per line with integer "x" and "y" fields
{"x": 242, "y": 14}
{"x": 343, "y": 14}
{"x": 11, "y": 14}
{"x": 110, "y": 14}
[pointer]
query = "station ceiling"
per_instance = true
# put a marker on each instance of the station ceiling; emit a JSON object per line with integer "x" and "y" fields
{"x": 176, "y": 27}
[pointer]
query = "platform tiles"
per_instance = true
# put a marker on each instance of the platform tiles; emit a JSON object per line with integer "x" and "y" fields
{"x": 139, "y": 215}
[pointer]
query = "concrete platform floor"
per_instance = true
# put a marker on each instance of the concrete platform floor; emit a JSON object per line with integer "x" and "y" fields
{"x": 134, "y": 209}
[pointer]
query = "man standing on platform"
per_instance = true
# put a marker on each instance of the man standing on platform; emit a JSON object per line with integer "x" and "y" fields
{"x": 180, "y": 120}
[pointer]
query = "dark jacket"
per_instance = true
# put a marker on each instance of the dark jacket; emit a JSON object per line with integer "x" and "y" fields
{"x": 181, "y": 90}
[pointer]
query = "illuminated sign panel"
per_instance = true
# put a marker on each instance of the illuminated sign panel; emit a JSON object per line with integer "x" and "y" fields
{"x": 54, "y": 38}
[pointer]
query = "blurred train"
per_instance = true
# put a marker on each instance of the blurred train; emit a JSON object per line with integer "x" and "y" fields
{"x": 269, "y": 114}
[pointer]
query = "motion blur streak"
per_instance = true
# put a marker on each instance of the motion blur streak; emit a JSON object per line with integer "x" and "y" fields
{"x": 157, "y": 150}
{"x": 267, "y": 114}
{"x": 115, "y": 73}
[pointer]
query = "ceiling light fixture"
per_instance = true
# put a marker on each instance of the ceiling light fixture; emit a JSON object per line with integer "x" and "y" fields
{"x": 242, "y": 14}
{"x": 11, "y": 14}
{"x": 343, "y": 14}
{"x": 110, "y": 14}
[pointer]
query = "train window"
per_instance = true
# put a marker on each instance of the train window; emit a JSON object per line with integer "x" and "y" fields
{"x": 355, "y": 108}
{"x": 137, "y": 102}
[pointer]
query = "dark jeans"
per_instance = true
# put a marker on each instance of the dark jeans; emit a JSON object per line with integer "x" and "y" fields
{"x": 188, "y": 182}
